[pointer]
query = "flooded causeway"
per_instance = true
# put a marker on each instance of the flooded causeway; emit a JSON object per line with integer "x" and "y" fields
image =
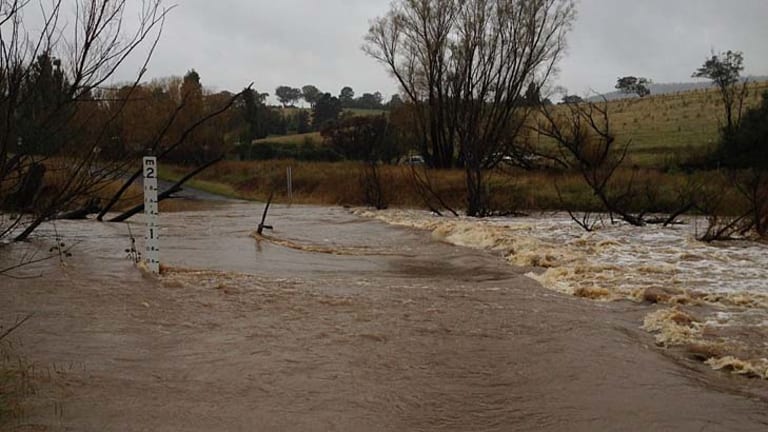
{"x": 337, "y": 322}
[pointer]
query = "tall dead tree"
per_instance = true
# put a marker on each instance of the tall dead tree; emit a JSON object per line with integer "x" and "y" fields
{"x": 465, "y": 65}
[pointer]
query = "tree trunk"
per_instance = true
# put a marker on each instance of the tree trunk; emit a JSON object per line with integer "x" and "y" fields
{"x": 477, "y": 195}
{"x": 24, "y": 196}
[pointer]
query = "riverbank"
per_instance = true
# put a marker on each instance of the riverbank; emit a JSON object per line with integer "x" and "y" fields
{"x": 512, "y": 189}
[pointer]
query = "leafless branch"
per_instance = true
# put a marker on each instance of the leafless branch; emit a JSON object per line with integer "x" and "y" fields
{"x": 15, "y": 326}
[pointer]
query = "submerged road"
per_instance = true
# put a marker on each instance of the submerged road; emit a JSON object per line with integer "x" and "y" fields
{"x": 337, "y": 323}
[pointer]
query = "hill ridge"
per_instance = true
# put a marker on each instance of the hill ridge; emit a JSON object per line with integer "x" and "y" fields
{"x": 672, "y": 88}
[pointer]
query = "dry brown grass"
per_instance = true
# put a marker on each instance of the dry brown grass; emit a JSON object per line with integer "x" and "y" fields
{"x": 296, "y": 139}
{"x": 58, "y": 173}
{"x": 339, "y": 184}
{"x": 58, "y": 181}
{"x": 327, "y": 183}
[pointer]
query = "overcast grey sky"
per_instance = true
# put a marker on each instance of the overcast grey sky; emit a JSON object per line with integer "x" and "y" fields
{"x": 296, "y": 42}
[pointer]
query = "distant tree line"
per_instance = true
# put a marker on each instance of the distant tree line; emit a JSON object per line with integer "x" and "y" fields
{"x": 470, "y": 93}
{"x": 290, "y": 96}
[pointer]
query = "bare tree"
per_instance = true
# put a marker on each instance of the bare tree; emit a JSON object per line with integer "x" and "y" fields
{"x": 736, "y": 215}
{"x": 427, "y": 190}
{"x": 71, "y": 57}
{"x": 584, "y": 136}
{"x": 465, "y": 66}
{"x": 753, "y": 186}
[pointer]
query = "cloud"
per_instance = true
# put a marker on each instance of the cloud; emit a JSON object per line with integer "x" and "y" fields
{"x": 660, "y": 39}
{"x": 290, "y": 42}
{"x": 296, "y": 42}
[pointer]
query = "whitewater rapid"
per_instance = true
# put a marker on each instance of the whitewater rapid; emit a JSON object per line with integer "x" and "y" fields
{"x": 715, "y": 294}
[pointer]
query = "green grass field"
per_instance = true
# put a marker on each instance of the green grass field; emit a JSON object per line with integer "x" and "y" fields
{"x": 665, "y": 130}
{"x": 662, "y": 130}
{"x": 362, "y": 112}
{"x": 673, "y": 126}
{"x": 315, "y": 137}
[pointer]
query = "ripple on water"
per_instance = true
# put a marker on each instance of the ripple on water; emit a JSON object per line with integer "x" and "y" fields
{"x": 723, "y": 282}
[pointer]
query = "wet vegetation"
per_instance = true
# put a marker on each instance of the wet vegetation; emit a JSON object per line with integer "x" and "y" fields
{"x": 649, "y": 173}
{"x": 471, "y": 132}
{"x": 477, "y": 150}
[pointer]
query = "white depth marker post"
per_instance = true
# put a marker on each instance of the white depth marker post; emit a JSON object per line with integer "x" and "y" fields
{"x": 151, "y": 238}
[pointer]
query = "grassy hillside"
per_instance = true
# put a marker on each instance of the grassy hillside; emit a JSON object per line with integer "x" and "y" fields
{"x": 690, "y": 118}
{"x": 663, "y": 129}
{"x": 674, "y": 88}
{"x": 670, "y": 127}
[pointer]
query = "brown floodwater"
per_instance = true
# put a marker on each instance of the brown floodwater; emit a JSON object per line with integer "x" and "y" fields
{"x": 715, "y": 295}
{"x": 335, "y": 322}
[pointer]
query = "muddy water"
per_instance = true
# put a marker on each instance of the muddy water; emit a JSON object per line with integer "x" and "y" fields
{"x": 716, "y": 294}
{"x": 337, "y": 322}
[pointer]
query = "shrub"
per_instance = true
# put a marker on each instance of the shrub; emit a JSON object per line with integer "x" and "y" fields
{"x": 747, "y": 146}
{"x": 368, "y": 139}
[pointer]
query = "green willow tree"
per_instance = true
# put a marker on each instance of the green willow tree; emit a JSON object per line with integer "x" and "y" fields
{"x": 634, "y": 85}
{"x": 310, "y": 94}
{"x": 327, "y": 110}
{"x": 724, "y": 69}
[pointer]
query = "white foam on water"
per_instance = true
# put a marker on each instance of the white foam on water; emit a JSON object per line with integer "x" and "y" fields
{"x": 619, "y": 258}
{"x": 619, "y": 261}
